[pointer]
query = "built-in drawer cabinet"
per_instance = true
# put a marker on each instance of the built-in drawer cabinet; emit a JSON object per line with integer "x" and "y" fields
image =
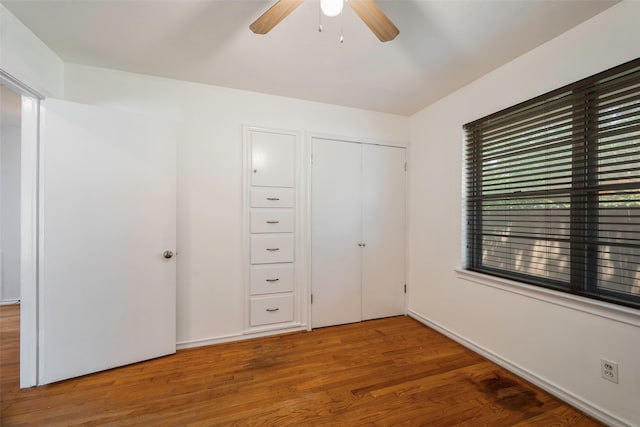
{"x": 271, "y": 197}
{"x": 271, "y": 227}
{"x": 272, "y": 220}
{"x": 271, "y": 278}
{"x": 270, "y": 309}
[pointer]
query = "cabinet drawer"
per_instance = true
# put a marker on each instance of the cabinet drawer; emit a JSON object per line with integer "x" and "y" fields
{"x": 269, "y": 249}
{"x": 271, "y": 309}
{"x": 267, "y": 198}
{"x": 272, "y": 221}
{"x": 271, "y": 279}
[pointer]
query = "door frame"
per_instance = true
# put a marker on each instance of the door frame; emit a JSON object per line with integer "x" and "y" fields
{"x": 308, "y": 165}
{"x": 29, "y": 226}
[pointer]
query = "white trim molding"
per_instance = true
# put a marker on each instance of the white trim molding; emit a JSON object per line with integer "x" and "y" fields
{"x": 181, "y": 345}
{"x": 585, "y": 406}
{"x": 29, "y": 241}
{"x": 594, "y": 307}
{"x": 355, "y": 139}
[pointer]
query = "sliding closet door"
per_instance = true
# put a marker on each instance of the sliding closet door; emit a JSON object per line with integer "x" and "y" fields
{"x": 383, "y": 225}
{"x": 335, "y": 233}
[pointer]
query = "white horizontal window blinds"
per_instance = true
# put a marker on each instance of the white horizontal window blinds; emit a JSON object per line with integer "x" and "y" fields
{"x": 553, "y": 189}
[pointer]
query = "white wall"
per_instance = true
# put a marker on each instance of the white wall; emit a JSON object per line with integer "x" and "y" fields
{"x": 27, "y": 58}
{"x": 9, "y": 212}
{"x": 210, "y": 301}
{"x": 560, "y": 346}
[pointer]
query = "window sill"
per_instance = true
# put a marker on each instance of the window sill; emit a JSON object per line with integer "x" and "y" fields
{"x": 609, "y": 311}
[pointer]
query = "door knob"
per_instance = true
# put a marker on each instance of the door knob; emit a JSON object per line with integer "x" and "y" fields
{"x": 167, "y": 254}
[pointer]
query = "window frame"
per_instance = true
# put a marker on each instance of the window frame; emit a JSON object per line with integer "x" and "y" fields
{"x": 586, "y": 92}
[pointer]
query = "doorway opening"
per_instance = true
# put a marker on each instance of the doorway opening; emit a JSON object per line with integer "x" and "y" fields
{"x": 19, "y": 165}
{"x": 10, "y": 147}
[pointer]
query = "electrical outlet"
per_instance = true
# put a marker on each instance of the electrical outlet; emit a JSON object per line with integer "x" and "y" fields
{"x": 609, "y": 370}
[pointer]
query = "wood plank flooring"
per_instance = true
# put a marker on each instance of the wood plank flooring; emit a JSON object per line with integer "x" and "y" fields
{"x": 383, "y": 372}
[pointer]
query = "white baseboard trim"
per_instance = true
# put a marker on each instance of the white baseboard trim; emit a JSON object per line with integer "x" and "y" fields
{"x": 559, "y": 392}
{"x": 180, "y": 345}
{"x": 9, "y": 301}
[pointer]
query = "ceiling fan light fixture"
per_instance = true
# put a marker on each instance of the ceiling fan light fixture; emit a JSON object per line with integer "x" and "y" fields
{"x": 367, "y": 10}
{"x": 331, "y": 7}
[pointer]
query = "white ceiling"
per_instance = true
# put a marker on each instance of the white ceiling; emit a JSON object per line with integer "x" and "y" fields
{"x": 442, "y": 44}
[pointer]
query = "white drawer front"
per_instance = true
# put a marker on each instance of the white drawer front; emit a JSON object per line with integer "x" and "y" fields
{"x": 271, "y": 279}
{"x": 272, "y": 198}
{"x": 271, "y": 309}
{"x": 269, "y": 249}
{"x": 272, "y": 221}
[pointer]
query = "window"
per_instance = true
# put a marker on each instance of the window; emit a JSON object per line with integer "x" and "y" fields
{"x": 553, "y": 189}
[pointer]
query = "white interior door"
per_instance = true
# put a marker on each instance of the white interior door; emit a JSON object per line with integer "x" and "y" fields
{"x": 335, "y": 233}
{"x": 383, "y": 231}
{"x": 108, "y": 211}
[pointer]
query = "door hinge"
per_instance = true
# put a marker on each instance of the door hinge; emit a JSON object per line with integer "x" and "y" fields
{"x": 405, "y": 288}
{"x": 311, "y": 158}
{"x": 405, "y": 166}
{"x": 311, "y": 298}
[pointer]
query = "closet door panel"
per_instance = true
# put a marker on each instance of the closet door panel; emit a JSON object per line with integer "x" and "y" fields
{"x": 335, "y": 233}
{"x": 383, "y": 223}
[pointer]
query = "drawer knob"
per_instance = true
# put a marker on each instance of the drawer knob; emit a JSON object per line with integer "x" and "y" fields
{"x": 272, "y": 280}
{"x": 273, "y": 222}
{"x": 273, "y": 198}
{"x": 273, "y": 249}
{"x": 271, "y": 310}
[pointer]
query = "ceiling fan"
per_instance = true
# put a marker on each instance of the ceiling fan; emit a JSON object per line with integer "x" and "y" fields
{"x": 367, "y": 10}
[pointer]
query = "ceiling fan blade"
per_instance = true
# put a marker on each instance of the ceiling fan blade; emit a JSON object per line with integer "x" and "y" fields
{"x": 274, "y": 15}
{"x": 375, "y": 19}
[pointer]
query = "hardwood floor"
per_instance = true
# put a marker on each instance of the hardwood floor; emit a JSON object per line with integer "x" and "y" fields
{"x": 391, "y": 371}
